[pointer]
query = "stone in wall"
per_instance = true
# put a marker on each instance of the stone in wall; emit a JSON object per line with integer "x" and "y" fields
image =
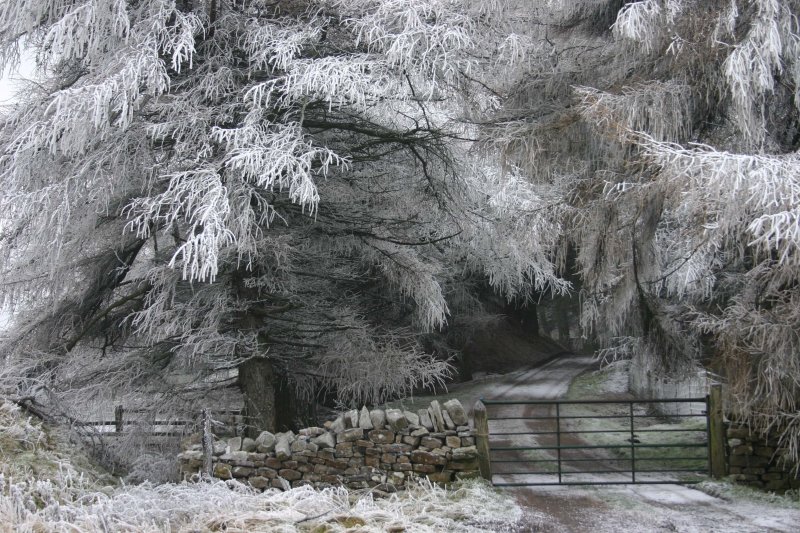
{"x": 448, "y": 422}
{"x": 435, "y": 411}
{"x": 338, "y": 425}
{"x": 364, "y": 420}
{"x": 457, "y": 413}
{"x": 425, "y": 419}
{"x": 326, "y": 440}
{"x": 283, "y": 442}
{"x": 351, "y": 419}
{"x": 378, "y": 418}
{"x": 413, "y": 418}
{"x": 265, "y": 442}
{"x": 396, "y": 419}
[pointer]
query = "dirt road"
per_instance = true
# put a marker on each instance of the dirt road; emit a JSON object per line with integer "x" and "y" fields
{"x": 637, "y": 508}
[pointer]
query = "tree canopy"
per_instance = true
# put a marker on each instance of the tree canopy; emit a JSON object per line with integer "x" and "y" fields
{"x": 301, "y": 188}
{"x": 203, "y": 186}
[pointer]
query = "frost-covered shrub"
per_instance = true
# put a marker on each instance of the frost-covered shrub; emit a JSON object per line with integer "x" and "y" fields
{"x": 16, "y": 431}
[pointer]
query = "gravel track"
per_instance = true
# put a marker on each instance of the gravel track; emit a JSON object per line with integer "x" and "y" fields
{"x": 629, "y": 508}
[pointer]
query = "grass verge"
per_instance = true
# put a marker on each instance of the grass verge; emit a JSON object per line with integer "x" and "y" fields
{"x": 732, "y": 492}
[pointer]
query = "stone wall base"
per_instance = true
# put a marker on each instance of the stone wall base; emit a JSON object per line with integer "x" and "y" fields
{"x": 759, "y": 462}
{"x": 381, "y": 450}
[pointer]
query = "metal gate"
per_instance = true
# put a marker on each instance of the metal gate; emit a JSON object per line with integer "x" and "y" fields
{"x": 598, "y": 442}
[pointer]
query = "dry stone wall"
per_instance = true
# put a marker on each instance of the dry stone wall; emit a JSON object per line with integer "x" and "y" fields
{"x": 758, "y": 462}
{"x": 380, "y": 449}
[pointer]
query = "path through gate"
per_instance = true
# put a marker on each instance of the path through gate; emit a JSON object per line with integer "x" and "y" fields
{"x": 600, "y": 442}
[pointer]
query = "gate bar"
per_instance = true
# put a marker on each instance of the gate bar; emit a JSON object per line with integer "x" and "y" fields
{"x": 598, "y": 447}
{"x": 585, "y": 483}
{"x": 689, "y": 415}
{"x": 572, "y": 402}
{"x": 563, "y": 432}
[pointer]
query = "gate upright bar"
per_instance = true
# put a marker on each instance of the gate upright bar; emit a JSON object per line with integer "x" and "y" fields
{"x": 633, "y": 446}
{"x": 558, "y": 440}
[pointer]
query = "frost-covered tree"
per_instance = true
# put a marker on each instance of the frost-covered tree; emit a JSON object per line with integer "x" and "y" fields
{"x": 289, "y": 193}
{"x": 277, "y": 194}
{"x": 672, "y": 128}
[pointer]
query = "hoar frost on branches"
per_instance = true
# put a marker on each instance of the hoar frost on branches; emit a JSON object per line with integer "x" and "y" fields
{"x": 283, "y": 192}
{"x": 197, "y": 188}
{"x": 672, "y": 130}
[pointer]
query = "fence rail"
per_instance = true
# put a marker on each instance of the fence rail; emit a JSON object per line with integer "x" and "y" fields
{"x": 116, "y": 427}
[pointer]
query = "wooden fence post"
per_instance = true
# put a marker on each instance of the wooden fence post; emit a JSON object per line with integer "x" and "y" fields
{"x": 482, "y": 440}
{"x": 118, "y": 419}
{"x": 716, "y": 433}
{"x": 208, "y": 443}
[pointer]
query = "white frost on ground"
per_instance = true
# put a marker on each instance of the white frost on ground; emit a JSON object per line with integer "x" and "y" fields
{"x": 41, "y": 490}
{"x": 233, "y": 507}
{"x": 656, "y": 509}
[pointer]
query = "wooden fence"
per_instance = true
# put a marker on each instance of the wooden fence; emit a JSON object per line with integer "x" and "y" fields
{"x": 128, "y": 418}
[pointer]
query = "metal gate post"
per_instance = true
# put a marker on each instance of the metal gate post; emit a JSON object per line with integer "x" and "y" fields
{"x": 633, "y": 446}
{"x": 558, "y": 439}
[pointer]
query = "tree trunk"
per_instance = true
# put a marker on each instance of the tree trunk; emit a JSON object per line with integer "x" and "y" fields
{"x": 257, "y": 381}
{"x": 269, "y": 402}
{"x": 286, "y": 405}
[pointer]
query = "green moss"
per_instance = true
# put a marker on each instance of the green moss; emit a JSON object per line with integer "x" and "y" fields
{"x": 350, "y": 521}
